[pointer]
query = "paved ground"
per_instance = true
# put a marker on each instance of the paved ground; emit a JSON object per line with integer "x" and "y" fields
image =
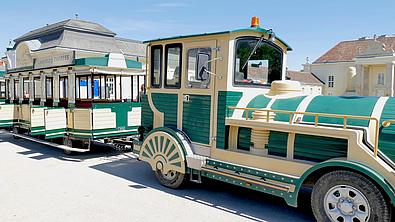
{"x": 39, "y": 183}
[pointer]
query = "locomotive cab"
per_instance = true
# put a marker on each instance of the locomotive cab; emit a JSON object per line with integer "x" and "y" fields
{"x": 217, "y": 106}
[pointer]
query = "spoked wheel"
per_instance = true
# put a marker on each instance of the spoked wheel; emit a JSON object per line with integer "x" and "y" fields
{"x": 343, "y": 196}
{"x": 172, "y": 179}
{"x": 166, "y": 157}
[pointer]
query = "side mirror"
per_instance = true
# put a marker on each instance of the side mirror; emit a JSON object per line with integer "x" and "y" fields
{"x": 201, "y": 66}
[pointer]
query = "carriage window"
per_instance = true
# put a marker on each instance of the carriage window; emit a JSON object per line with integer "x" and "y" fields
{"x": 110, "y": 87}
{"x": 48, "y": 87}
{"x": 173, "y": 66}
{"x": 82, "y": 87}
{"x": 258, "y": 62}
{"x": 63, "y": 87}
{"x": 16, "y": 89}
{"x": 26, "y": 88}
{"x": 195, "y": 78}
{"x": 2, "y": 90}
{"x": 37, "y": 87}
{"x": 156, "y": 66}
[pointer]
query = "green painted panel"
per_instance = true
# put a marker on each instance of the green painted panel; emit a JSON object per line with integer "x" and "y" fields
{"x": 225, "y": 99}
{"x": 121, "y": 110}
{"x": 92, "y": 61}
{"x": 387, "y": 135}
{"x": 259, "y": 102}
{"x": 319, "y": 148}
{"x": 168, "y": 104}
{"x": 350, "y": 105}
{"x": 196, "y": 118}
{"x": 244, "y": 139}
{"x": 288, "y": 105}
{"x": 277, "y": 145}
{"x": 147, "y": 116}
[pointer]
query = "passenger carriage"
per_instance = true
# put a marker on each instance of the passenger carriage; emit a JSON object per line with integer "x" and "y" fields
{"x": 215, "y": 108}
{"x": 95, "y": 98}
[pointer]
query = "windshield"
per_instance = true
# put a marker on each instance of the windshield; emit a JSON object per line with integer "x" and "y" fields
{"x": 257, "y": 62}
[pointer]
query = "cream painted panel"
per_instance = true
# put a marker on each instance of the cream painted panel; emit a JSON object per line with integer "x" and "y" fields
{"x": 134, "y": 117}
{"x": 70, "y": 123}
{"x": 55, "y": 119}
{"x": 103, "y": 119}
{"x": 37, "y": 117}
{"x": 82, "y": 119}
{"x": 25, "y": 112}
{"x": 8, "y": 112}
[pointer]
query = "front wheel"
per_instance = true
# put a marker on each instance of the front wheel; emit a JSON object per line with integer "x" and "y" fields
{"x": 343, "y": 196}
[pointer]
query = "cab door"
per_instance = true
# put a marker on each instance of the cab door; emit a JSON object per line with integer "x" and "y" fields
{"x": 198, "y": 94}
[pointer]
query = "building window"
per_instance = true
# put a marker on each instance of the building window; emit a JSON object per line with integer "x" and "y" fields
{"x": 380, "y": 79}
{"x": 257, "y": 62}
{"x": 330, "y": 94}
{"x": 198, "y": 78}
{"x": 156, "y": 66}
{"x": 173, "y": 66}
{"x": 331, "y": 81}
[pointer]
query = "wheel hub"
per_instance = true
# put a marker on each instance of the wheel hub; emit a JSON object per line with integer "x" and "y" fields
{"x": 346, "y": 206}
{"x": 345, "y": 203}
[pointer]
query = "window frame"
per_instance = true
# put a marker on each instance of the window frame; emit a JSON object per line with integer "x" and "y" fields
{"x": 160, "y": 47}
{"x": 331, "y": 81}
{"x": 380, "y": 77}
{"x": 173, "y": 45}
{"x": 264, "y": 86}
{"x": 196, "y": 66}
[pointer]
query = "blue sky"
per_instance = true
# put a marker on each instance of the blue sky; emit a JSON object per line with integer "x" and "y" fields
{"x": 311, "y": 27}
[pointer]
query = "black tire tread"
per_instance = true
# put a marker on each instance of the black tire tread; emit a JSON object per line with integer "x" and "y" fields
{"x": 380, "y": 208}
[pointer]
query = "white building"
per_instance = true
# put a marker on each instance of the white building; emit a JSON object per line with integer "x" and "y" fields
{"x": 357, "y": 67}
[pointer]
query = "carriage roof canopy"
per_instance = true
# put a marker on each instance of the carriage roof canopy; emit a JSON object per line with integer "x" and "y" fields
{"x": 252, "y": 29}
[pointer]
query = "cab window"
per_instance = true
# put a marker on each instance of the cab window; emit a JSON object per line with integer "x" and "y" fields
{"x": 257, "y": 63}
{"x": 198, "y": 65}
{"x": 156, "y": 66}
{"x": 173, "y": 66}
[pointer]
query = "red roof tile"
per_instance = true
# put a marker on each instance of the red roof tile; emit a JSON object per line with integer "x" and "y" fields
{"x": 304, "y": 78}
{"x": 346, "y": 51}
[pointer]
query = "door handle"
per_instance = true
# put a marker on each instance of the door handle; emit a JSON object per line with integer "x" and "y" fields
{"x": 186, "y": 98}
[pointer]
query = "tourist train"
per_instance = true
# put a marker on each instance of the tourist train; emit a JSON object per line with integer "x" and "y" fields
{"x": 217, "y": 105}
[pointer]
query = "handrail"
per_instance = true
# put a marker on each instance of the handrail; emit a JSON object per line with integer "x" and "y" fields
{"x": 388, "y": 123}
{"x": 316, "y": 119}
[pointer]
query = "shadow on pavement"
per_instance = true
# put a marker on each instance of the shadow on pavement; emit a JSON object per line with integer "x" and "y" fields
{"x": 43, "y": 151}
{"x": 246, "y": 203}
{"x": 226, "y": 197}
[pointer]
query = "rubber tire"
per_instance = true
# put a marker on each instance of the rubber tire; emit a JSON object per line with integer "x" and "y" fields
{"x": 380, "y": 209}
{"x": 177, "y": 182}
{"x": 67, "y": 142}
{"x": 15, "y": 130}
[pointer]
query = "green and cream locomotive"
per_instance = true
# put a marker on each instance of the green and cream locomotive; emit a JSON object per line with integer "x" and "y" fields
{"x": 216, "y": 107}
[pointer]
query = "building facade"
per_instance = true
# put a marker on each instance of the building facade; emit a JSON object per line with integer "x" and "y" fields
{"x": 363, "y": 67}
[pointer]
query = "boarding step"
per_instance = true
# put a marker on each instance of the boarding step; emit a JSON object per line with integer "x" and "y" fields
{"x": 196, "y": 162}
{"x": 250, "y": 175}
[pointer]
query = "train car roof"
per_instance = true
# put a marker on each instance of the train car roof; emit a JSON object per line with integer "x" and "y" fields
{"x": 254, "y": 29}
